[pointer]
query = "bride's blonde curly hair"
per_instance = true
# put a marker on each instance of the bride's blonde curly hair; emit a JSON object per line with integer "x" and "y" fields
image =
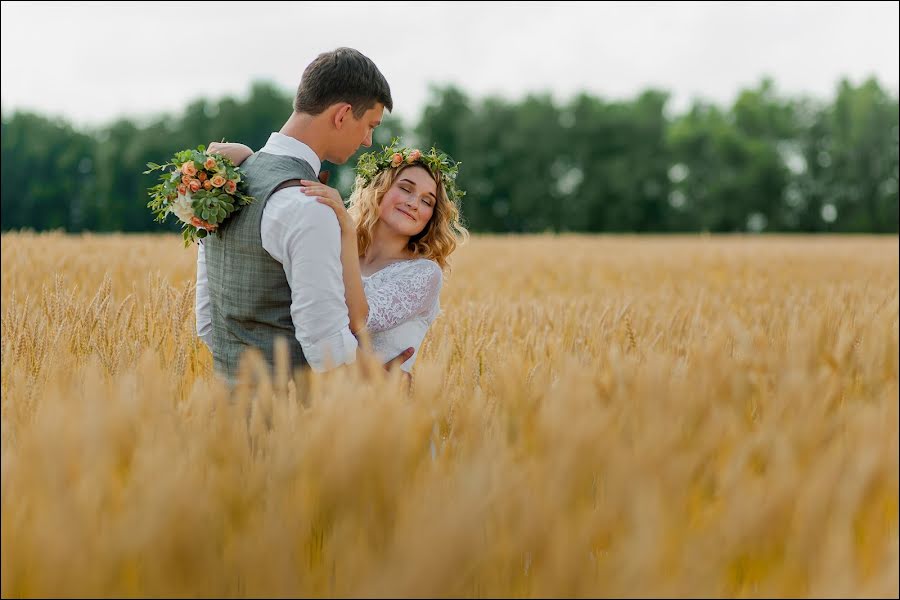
{"x": 440, "y": 236}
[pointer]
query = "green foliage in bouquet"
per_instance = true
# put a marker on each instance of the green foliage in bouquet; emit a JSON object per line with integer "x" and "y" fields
{"x": 200, "y": 189}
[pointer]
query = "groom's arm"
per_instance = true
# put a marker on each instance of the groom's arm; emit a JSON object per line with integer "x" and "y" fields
{"x": 201, "y": 308}
{"x": 304, "y": 236}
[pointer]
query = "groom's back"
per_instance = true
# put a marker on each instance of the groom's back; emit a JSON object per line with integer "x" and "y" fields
{"x": 250, "y": 298}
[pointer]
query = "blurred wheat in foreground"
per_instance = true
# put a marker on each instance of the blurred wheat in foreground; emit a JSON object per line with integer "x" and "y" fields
{"x": 614, "y": 416}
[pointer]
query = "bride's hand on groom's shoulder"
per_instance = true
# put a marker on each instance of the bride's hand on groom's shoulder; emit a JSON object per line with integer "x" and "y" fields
{"x": 236, "y": 153}
{"x": 330, "y": 197}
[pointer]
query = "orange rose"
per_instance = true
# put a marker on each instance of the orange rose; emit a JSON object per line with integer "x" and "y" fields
{"x": 182, "y": 189}
{"x": 201, "y": 175}
{"x": 189, "y": 169}
{"x": 210, "y": 164}
{"x": 396, "y": 159}
{"x": 186, "y": 180}
{"x": 218, "y": 181}
{"x": 207, "y": 185}
{"x": 230, "y": 187}
{"x": 198, "y": 222}
{"x": 414, "y": 156}
{"x": 195, "y": 185}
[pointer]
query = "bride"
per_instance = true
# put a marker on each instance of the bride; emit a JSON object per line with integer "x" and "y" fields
{"x": 402, "y": 224}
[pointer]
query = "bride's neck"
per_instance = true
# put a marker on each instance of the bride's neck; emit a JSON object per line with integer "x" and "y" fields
{"x": 386, "y": 245}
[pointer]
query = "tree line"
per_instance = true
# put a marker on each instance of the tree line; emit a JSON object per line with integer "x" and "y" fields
{"x": 766, "y": 163}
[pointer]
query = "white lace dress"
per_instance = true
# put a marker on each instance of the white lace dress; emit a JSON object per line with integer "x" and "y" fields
{"x": 403, "y": 302}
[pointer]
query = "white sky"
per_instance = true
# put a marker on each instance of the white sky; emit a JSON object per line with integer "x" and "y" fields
{"x": 91, "y": 62}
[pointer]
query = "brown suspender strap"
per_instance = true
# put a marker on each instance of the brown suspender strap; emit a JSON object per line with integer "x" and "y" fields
{"x": 287, "y": 184}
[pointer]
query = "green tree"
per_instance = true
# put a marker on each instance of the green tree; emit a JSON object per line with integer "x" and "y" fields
{"x": 764, "y": 163}
{"x": 47, "y": 174}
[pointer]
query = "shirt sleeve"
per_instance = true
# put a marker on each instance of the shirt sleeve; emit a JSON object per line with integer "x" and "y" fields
{"x": 306, "y": 238}
{"x": 412, "y": 293}
{"x": 201, "y": 307}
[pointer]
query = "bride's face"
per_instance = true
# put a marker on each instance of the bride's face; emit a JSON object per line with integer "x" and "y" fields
{"x": 409, "y": 203}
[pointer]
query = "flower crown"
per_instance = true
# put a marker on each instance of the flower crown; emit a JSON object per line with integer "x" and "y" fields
{"x": 393, "y": 155}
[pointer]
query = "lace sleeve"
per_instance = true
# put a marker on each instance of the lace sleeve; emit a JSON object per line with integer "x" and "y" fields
{"x": 412, "y": 292}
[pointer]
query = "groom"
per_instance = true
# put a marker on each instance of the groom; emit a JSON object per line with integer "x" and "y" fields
{"x": 274, "y": 267}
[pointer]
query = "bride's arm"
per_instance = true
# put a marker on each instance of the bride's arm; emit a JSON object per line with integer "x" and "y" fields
{"x": 238, "y": 153}
{"x": 354, "y": 293}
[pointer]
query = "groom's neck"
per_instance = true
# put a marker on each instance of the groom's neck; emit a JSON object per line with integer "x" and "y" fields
{"x": 307, "y": 129}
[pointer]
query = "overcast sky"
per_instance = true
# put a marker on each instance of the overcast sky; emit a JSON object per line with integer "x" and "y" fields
{"x": 91, "y": 62}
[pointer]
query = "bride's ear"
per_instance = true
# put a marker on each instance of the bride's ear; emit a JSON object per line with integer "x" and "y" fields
{"x": 342, "y": 112}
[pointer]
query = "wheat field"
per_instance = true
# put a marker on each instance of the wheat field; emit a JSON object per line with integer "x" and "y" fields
{"x": 590, "y": 416}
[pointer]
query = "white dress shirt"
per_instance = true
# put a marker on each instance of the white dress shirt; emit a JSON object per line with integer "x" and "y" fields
{"x": 305, "y": 237}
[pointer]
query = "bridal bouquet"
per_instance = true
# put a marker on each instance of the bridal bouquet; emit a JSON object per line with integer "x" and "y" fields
{"x": 200, "y": 189}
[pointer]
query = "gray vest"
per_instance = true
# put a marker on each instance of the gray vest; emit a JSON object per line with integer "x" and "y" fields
{"x": 250, "y": 299}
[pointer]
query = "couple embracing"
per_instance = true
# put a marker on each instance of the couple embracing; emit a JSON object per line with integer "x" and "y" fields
{"x": 298, "y": 264}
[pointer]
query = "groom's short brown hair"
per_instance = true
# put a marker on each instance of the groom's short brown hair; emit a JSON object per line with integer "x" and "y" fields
{"x": 342, "y": 75}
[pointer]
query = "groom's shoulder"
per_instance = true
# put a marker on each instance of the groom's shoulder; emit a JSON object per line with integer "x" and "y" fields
{"x": 291, "y": 205}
